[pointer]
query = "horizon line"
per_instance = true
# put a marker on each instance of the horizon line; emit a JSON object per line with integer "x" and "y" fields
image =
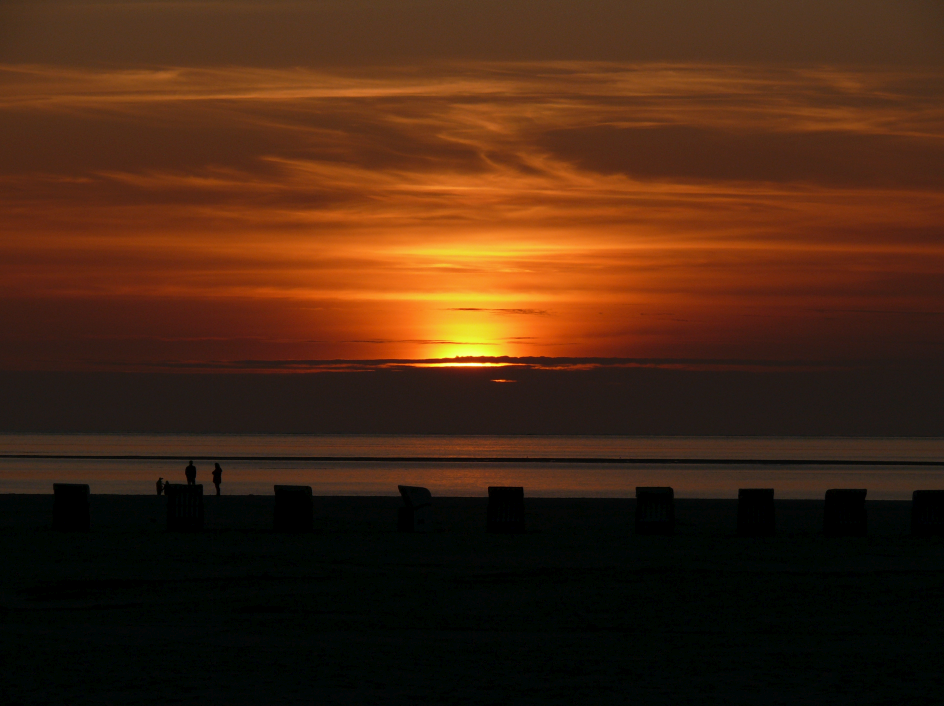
{"x": 482, "y": 459}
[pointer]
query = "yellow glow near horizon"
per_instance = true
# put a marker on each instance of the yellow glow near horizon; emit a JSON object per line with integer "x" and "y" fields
{"x": 466, "y": 332}
{"x": 450, "y": 364}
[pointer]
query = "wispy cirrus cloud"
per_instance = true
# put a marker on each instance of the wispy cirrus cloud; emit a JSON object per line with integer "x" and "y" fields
{"x": 363, "y": 208}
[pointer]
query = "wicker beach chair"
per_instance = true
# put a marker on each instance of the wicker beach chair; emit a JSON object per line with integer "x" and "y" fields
{"x": 755, "y": 516}
{"x": 655, "y": 510}
{"x": 70, "y": 507}
{"x": 844, "y": 513}
{"x": 184, "y": 507}
{"x": 506, "y": 509}
{"x": 294, "y": 510}
{"x": 927, "y": 512}
{"x": 416, "y": 513}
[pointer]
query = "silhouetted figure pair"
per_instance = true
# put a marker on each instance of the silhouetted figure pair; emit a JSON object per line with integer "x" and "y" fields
{"x": 217, "y": 477}
{"x": 191, "y": 473}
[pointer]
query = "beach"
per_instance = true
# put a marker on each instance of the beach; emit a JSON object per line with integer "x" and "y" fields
{"x": 579, "y": 608}
{"x": 547, "y": 466}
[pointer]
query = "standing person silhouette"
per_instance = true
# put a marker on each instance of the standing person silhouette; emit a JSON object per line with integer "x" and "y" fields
{"x": 217, "y": 476}
{"x": 191, "y": 473}
{"x": 160, "y": 485}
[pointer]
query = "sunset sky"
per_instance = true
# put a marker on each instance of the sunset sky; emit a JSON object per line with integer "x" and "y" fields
{"x": 267, "y": 185}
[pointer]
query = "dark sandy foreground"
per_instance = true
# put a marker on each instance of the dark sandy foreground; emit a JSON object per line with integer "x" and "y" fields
{"x": 578, "y": 610}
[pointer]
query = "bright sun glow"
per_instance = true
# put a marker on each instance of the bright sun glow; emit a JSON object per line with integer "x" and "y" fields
{"x": 462, "y": 364}
{"x": 466, "y": 333}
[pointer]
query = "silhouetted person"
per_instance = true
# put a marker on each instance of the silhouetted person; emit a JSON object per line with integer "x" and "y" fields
{"x": 191, "y": 473}
{"x": 160, "y": 486}
{"x": 217, "y": 476}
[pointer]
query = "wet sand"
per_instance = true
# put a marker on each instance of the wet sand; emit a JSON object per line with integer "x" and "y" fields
{"x": 578, "y": 609}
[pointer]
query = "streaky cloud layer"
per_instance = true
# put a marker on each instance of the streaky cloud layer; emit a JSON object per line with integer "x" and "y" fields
{"x": 198, "y": 216}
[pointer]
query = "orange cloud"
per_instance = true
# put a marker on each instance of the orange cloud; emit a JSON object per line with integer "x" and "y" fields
{"x": 697, "y": 211}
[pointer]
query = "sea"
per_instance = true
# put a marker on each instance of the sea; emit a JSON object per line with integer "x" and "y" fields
{"x": 464, "y": 466}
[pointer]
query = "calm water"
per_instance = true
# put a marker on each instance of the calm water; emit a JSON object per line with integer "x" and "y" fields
{"x": 573, "y": 479}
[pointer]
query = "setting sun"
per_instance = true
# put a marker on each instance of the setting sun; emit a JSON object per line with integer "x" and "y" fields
{"x": 464, "y": 332}
{"x": 489, "y": 336}
{"x": 458, "y": 363}
{"x": 159, "y": 216}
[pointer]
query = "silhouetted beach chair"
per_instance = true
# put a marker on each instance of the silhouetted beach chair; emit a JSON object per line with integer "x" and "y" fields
{"x": 416, "y": 513}
{"x": 294, "y": 510}
{"x": 755, "y": 512}
{"x": 505, "y": 509}
{"x": 927, "y": 512}
{"x": 184, "y": 507}
{"x": 70, "y": 507}
{"x": 844, "y": 513}
{"x": 655, "y": 510}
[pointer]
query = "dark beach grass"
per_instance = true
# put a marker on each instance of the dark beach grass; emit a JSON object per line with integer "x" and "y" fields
{"x": 578, "y": 609}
